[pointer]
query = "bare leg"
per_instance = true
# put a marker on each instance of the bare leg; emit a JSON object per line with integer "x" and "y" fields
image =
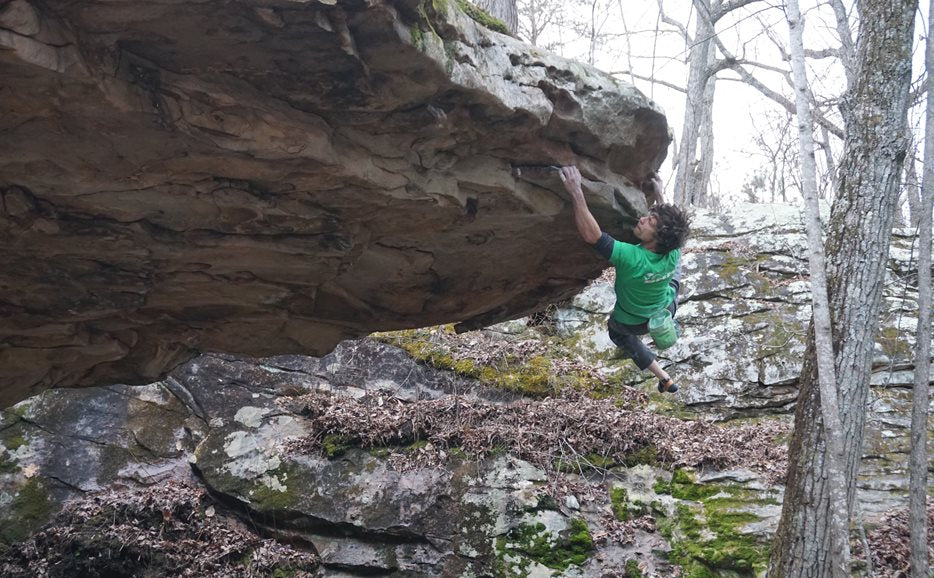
{"x": 660, "y": 373}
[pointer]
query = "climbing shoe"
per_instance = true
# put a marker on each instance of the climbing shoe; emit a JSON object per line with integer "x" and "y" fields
{"x": 667, "y": 385}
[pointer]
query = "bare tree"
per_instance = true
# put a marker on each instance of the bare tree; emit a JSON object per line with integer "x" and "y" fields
{"x": 776, "y": 142}
{"x": 692, "y": 174}
{"x": 593, "y": 27}
{"x": 535, "y": 17}
{"x": 820, "y": 325}
{"x": 694, "y": 161}
{"x": 857, "y": 245}
{"x": 917, "y": 491}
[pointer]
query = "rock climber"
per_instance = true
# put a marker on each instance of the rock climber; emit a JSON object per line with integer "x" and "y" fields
{"x": 647, "y": 275}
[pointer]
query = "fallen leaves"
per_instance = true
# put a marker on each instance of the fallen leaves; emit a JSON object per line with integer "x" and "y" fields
{"x": 890, "y": 547}
{"x": 544, "y": 432}
{"x": 166, "y": 530}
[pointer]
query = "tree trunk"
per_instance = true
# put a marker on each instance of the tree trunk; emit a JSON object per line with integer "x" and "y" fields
{"x": 821, "y": 326}
{"x": 918, "y": 460}
{"x": 857, "y": 246}
{"x": 829, "y": 161}
{"x": 912, "y": 188}
{"x": 689, "y": 185}
{"x": 504, "y": 10}
{"x": 700, "y": 179}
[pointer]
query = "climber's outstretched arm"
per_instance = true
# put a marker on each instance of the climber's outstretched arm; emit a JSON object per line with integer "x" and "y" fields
{"x": 586, "y": 224}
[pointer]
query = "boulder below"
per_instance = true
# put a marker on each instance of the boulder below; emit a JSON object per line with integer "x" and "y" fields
{"x": 264, "y": 178}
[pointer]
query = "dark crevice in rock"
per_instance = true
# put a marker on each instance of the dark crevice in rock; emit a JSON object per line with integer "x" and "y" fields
{"x": 68, "y": 485}
{"x": 293, "y": 524}
{"x": 892, "y": 367}
{"x": 120, "y": 391}
{"x": 741, "y": 315}
{"x": 711, "y": 295}
{"x": 184, "y": 396}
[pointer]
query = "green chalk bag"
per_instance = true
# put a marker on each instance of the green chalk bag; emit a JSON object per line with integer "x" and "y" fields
{"x": 662, "y": 329}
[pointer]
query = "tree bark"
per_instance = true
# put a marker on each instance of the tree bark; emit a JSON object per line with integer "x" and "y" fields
{"x": 912, "y": 187}
{"x": 690, "y": 185}
{"x": 918, "y": 460}
{"x": 857, "y": 247}
{"x": 504, "y": 10}
{"x": 821, "y": 326}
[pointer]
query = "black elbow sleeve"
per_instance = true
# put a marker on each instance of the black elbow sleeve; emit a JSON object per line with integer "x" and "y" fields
{"x": 604, "y": 245}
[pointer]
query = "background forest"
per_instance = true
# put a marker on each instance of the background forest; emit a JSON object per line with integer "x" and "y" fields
{"x": 721, "y": 71}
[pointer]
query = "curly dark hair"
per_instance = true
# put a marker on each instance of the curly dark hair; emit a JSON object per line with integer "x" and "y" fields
{"x": 673, "y": 226}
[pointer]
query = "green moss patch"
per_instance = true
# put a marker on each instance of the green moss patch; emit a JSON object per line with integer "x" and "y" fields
{"x": 334, "y": 445}
{"x": 14, "y": 442}
{"x": 705, "y": 532}
{"x": 632, "y": 569}
{"x": 625, "y": 509}
{"x": 8, "y": 465}
{"x": 482, "y": 17}
{"x": 31, "y": 508}
{"x": 585, "y": 463}
{"x": 644, "y": 456}
{"x": 893, "y": 343}
{"x": 533, "y": 377}
{"x": 539, "y": 372}
{"x": 619, "y": 501}
{"x": 572, "y": 547}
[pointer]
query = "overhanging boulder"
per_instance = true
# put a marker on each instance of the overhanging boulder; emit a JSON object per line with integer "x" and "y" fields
{"x": 267, "y": 177}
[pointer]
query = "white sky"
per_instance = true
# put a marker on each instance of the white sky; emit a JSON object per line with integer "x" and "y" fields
{"x": 738, "y": 107}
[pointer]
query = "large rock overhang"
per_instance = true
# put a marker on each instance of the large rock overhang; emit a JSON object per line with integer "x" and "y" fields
{"x": 268, "y": 176}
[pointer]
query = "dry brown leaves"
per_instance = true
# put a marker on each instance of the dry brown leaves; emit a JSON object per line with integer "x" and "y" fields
{"x": 613, "y": 531}
{"x": 542, "y": 432}
{"x": 171, "y": 529}
{"x": 889, "y": 545}
{"x": 489, "y": 349}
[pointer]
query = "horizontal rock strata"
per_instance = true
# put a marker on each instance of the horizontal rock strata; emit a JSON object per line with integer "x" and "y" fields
{"x": 269, "y": 177}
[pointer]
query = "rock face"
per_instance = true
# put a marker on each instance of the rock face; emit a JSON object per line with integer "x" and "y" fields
{"x": 354, "y": 509}
{"x": 743, "y": 313}
{"x": 265, "y": 178}
{"x": 218, "y": 419}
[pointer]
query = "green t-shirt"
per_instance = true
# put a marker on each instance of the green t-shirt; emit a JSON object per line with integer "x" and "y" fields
{"x": 641, "y": 281}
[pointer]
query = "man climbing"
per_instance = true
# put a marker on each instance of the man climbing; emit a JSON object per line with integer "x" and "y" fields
{"x": 647, "y": 275}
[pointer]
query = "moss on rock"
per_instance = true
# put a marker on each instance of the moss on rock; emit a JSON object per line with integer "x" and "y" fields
{"x": 533, "y": 377}
{"x": 619, "y": 502}
{"x": 645, "y": 456}
{"x": 625, "y": 509}
{"x": 632, "y": 569}
{"x": 14, "y": 442}
{"x": 571, "y": 547}
{"x": 705, "y": 533}
{"x": 30, "y": 508}
{"x": 335, "y": 445}
{"x": 482, "y": 17}
{"x": 893, "y": 343}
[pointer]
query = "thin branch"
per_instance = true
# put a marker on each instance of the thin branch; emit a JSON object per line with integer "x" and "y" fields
{"x": 775, "y": 96}
{"x": 668, "y": 20}
{"x": 725, "y": 9}
{"x": 847, "y": 48}
{"x": 653, "y": 80}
